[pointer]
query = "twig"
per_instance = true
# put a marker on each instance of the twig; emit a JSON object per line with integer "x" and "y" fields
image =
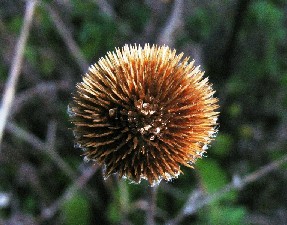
{"x": 193, "y": 206}
{"x": 228, "y": 54}
{"x": 151, "y": 210}
{"x": 51, "y": 135}
{"x": 10, "y": 87}
{"x": 67, "y": 38}
{"x": 81, "y": 181}
{"x": 43, "y": 89}
{"x": 28, "y": 174}
{"x": 8, "y": 41}
{"x": 44, "y": 148}
{"x": 106, "y": 8}
{"x": 26, "y": 136}
{"x": 151, "y": 26}
{"x": 173, "y": 23}
{"x": 41, "y": 146}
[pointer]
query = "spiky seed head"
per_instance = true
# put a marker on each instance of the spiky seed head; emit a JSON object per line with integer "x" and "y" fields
{"x": 144, "y": 112}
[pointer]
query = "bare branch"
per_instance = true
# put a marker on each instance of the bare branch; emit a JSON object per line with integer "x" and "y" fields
{"x": 173, "y": 23}
{"x": 106, "y": 8}
{"x": 10, "y": 87}
{"x": 44, "y": 148}
{"x": 51, "y": 135}
{"x": 79, "y": 183}
{"x": 67, "y": 38}
{"x": 27, "y": 174}
{"x": 41, "y": 146}
{"x": 41, "y": 89}
{"x": 8, "y": 41}
{"x": 194, "y": 204}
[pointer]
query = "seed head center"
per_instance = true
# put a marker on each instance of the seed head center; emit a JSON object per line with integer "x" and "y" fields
{"x": 145, "y": 120}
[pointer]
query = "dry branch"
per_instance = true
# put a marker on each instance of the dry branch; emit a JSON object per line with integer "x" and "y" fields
{"x": 174, "y": 22}
{"x": 196, "y": 202}
{"x": 41, "y": 146}
{"x": 106, "y": 8}
{"x": 46, "y": 148}
{"x": 42, "y": 89}
{"x": 10, "y": 87}
{"x": 79, "y": 183}
{"x": 67, "y": 37}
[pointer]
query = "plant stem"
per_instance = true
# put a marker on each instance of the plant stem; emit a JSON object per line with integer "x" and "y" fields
{"x": 151, "y": 208}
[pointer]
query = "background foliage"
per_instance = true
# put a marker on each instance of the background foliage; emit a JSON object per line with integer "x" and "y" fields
{"x": 241, "y": 44}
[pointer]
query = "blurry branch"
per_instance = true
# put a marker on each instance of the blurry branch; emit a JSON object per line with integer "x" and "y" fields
{"x": 151, "y": 26}
{"x": 28, "y": 174}
{"x": 41, "y": 146}
{"x": 144, "y": 205}
{"x": 171, "y": 190}
{"x": 106, "y": 8}
{"x": 174, "y": 22}
{"x": 42, "y": 89}
{"x": 257, "y": 218}
{"x": 79, "y": 183}
{"x": 230, "y": 48}
{"x": 196, "y": 201}
{"x": 8, "y": 41}
{"x": 46, "y": 148}
{"x": 67, "y": 38}
{"x": 51, "y": 135}
{"x": 10, "y": 87}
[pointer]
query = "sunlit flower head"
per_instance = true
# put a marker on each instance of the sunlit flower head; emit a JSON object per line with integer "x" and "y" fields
{"x": 143, "y": 113}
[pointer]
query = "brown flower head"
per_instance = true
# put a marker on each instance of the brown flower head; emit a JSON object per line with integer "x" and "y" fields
{"x": 143, "y": 112}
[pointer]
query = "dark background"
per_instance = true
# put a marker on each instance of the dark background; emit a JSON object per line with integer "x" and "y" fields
{"x": 242, "y": 47}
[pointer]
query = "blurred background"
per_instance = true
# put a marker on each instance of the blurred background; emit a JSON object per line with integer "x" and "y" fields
{"x": 242, "y": 46}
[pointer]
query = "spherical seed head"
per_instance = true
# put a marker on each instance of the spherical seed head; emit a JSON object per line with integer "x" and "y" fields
{"x": 144, "y": 112}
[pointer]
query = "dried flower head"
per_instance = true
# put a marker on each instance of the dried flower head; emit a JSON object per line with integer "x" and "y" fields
{"x": 143, "y": 112}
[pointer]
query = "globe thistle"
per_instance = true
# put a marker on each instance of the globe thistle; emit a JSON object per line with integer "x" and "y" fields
{"x": 144, "y": 112}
